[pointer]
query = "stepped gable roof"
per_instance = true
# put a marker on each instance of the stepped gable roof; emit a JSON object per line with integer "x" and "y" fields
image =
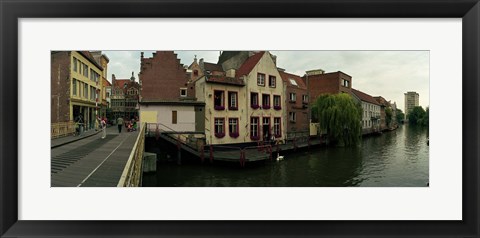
{"x": 249, "y": 64}
{"x": 287, "y": 76}
{"x": 212, "y": 67}
{"x": 90, "y": 58}
{"x": 382, "y": 101}
{"x": 364, "y": 97}
{"x": 224, "y": 80}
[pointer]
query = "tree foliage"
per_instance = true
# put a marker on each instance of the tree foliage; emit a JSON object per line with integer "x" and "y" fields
{"x": 400, "y": 116}
{"x": 418, "y": 116}
{"x": 388, "y": 116}
{"x": 340, "y": 117}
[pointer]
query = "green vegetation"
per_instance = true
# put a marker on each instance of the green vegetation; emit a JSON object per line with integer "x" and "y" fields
{"x": 400, "y": 116}
{"x": 340, "y": 117}
{"x": 388, "y": 116}
{"x": 418, "y": 116}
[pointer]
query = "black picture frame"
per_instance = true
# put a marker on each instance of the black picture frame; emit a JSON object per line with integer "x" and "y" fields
{"x": 11, "y": 11}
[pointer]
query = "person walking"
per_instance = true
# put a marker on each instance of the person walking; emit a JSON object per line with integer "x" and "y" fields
{"x": 103, "y": 124}
{"x": 119, "y": 124}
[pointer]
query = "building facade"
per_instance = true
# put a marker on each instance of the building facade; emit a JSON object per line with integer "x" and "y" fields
{"x": 75, "y": 87}
{"x": 167, "y": 94}
{"x": 384, "y": 105}
{"x": 243, "y": 97}
{"x": 318, "y": 82}
{"x": 296, "y": 104}
{"x": 411, "y": 101}
{"x": 103, "y": 60}
{"x": 370, "y": 112}
{"x": 124, "y": 98}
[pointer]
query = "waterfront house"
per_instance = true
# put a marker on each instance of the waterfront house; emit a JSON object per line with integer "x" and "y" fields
{"x": 383, "y": 107}
{"x": 75, "y": 87}
{"x": 167, "y": 94}
{"x": 296, "y": 104}
{"x": 370, "y": 111}
{"x": 243, "y": 94}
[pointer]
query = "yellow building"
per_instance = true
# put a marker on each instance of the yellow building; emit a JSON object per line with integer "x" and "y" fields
{"x": 86, "y": 86}
{"x": 103, "y": 60}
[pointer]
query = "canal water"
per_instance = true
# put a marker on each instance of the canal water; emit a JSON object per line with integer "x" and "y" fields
{"x": 397, "y": 158}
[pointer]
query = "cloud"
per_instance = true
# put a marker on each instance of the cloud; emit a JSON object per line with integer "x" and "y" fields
{"x": 389, "y": 74}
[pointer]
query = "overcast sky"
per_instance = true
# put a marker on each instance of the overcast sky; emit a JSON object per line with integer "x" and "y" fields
{"x": 389, "y": 74}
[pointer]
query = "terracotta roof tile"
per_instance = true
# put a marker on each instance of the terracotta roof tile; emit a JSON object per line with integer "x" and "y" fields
{"x": 364, "y": 97}
{"x": 249, "y": 64}
{"x": 287, "y": 76}
{"x": 212, "y": 67}
{"x": 224, "y": 80}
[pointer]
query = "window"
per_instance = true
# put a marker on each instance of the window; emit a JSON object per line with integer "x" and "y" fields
{"x": 254, "y": 100}
{"x": 293, "y": 82}
{"x": 85, "y": 70}
{"x": 195, "y": 73}
{"x": 305, "y": 98}
{"x": 261, "y": 79}
{"x": 254, "y": 128}
{"x": 92, "y": 75}
{"x": 219, "y": 127}
{"x": 75, "y": 64}
{"x": 272, "y": 81}
{"x": 85, "y": 90}
{"x": 232, "y": 101}
{"x": 74, "y": 87}
{"x": 265, "y": 101}
{"x": 92, "y": 93}
{"x": 233, "y": 127}
{"x": 293, "y": 97}
{"x": 277, "y": 131}
{"x": 277, "y": 105}
{"x": 174, "y": 117}
{"x": 293, "y": 116}
{"x": 218, "y": 98}
{"x": 183, "y": 92}
{"x": 345, "y": 83}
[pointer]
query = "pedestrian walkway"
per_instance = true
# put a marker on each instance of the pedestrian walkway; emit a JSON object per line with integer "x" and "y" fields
{"x": 89, "y": 160}
{"x": 69, "y": 139}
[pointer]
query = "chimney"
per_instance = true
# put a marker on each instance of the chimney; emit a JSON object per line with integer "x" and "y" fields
{"x": 141, "y": 55}
{"x": 195, "y": 59}
{"x": 200, "y": 63}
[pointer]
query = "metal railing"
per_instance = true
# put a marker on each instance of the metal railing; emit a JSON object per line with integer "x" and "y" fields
{"x": 61, "y": 129}
{"x": 132, "y": 174}
{"x": 192, "y": 139}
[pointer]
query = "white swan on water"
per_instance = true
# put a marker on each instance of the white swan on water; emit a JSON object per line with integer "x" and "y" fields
{"x": 279, "y": 157}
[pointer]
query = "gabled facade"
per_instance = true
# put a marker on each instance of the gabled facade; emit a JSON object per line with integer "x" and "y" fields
{"x": 124, "y": 97}
{"x": 296, "y": 104}
{"x": 242, "y": 103}
{"x": 167, "y": 94}
{"x": 75, "y": 87}
{"x": 371, "y": 111}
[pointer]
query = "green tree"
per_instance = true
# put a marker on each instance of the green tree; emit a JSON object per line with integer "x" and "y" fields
{"x": 417, "y": 116}
{"x": 388, "y": 116}
{"x": 400, "y": 116}
{"x": 339, "y": 116}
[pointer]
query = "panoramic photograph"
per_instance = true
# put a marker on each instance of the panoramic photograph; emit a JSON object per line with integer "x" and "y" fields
{"x": 249, "y": 118}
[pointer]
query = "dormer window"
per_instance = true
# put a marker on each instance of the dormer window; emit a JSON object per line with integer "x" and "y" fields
{"x": 195, "y": 73}
{"x": 183, "y": 92}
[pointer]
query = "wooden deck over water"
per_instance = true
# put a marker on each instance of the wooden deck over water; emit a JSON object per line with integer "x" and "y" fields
{"x": 91, "y": 161}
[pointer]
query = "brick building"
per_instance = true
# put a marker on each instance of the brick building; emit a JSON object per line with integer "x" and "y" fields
{"x": 167, "y": 93}
{"x": 75, "y": 87}
{"x": 320, "y": 83}
{"x": 384, "y": 104}
{"x": 296, "y": 104}
{"x": 124, "y": 98}
{"x": 370, "y": 111}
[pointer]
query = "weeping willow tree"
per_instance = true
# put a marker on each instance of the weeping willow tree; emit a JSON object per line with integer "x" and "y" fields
{"x": 339, "y": 116}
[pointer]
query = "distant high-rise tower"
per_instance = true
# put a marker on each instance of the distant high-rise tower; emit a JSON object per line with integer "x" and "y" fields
{"x": 411, "y": 101}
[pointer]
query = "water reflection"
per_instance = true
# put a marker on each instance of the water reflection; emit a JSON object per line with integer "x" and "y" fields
{"x": 398, "y": 158}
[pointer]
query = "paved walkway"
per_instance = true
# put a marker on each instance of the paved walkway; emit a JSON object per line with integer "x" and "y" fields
{"x": 89, "y": 160}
